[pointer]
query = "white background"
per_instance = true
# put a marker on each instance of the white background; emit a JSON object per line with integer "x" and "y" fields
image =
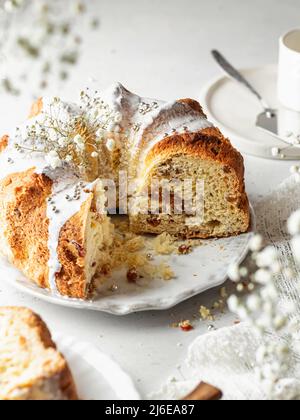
{"x": 161, "y": 48}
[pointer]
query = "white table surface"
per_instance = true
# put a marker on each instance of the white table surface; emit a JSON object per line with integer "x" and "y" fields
{"x": 161, "y": 49}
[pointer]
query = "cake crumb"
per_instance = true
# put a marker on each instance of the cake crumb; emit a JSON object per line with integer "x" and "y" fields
{"x": 184, "y": 249}
{"x": 219, "y": 305}
{"x": 223, "y": 293}
{"x": 132, "y": 275}
{"x": 135, "y": 244}
{"x": 186, "y": 326}
{"x": 136, "y": 251}
{"x": 216, "y": 305}
{"x": 205, "y": 314}
{"x": 164, "y": 244}
{"x": 167, "y": 272}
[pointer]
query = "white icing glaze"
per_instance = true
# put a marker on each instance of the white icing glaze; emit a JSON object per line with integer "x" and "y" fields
{"x": 14, "y": 162}
{"x": 155, "y": 119}
{"x": 59, "y": 211}
{"x": 64, "y": 184}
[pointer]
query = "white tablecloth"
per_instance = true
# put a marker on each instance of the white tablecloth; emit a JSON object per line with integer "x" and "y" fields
{"x": 226, "y": 358}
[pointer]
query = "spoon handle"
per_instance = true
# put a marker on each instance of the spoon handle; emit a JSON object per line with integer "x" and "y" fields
{"x": 237, "y": 76}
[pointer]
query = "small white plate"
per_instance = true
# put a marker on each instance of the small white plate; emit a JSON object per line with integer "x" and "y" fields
{"x": 234, "y": 110}
{"x": 205, "y": 268}
{"x": 97, "y": 376}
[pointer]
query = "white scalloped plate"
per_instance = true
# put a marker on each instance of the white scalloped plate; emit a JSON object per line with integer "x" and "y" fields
{"x": 97, "y": 376}
{"x": 205, "y": 268}
{"x": 234, "y": 110}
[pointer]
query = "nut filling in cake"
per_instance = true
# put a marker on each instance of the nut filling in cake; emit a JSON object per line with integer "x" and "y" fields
{"x": 71, "y": 163}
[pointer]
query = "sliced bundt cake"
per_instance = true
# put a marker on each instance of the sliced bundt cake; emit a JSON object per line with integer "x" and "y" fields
{"x": 163, "y": 164}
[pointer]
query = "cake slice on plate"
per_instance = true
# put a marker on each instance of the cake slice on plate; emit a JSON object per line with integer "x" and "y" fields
{"x": 30, "y": 366}
{"x": 60, "y": 239}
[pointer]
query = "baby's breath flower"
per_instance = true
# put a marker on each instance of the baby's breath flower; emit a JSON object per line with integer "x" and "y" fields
{"x": 233, "y": 303}
{"x": 66, "y": 134}
{"x": 234, "y": 273}
{"x": 53, "y": 159}
{"x": 267, "y": 257}
{"x": 95, "y": 113}
{"x": 279, "y": 322}
{"x": 79, "y": 7}
{"x": 12, "y": 5}
{"x": 254, "y": 302}
{"x": 244, "y": 271}
{"x": 51, "y": 30}
{"x": 240, "y": 287}
{"x": 63, "y": 141}
{"x": 79, "y": 141}
{"x": 242, "y": 312}
{"x": 256, "y": 243}
{"x": 68, "y": 158}
{"x": 262, "y": 276}
{"x": 111, "y": 126}
{"x": 100, "y": 133}
{"x": 110, "y": 144}
{"x": 118, "y": 118}
{"x": 261, "y": 309}
{"x": 269, "y": 293}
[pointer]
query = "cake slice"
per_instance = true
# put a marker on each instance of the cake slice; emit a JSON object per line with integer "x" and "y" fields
{"x": 30, "y": 366}
{"x": 58, "y": 241}
{"x": 195, "y": 183}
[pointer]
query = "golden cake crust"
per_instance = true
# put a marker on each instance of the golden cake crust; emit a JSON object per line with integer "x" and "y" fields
{"x": 35, "y": 322}
{"x": 3, "y": 143}
{"x": 24, "y": 223}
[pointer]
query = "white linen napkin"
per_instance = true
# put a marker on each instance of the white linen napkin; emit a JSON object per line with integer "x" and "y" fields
{"x": 226, "y": 358}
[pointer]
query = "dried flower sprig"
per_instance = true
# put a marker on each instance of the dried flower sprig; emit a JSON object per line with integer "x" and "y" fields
{"x": 41, "y": 40}
{"x": 261, "y": 310}
{"x": 73, "y": 135}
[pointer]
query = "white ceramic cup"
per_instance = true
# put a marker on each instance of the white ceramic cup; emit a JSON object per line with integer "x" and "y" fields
{"x": 289, "y": 70}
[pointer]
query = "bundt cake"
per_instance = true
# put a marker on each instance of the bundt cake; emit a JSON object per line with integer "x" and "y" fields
{"x": 163, "y": 164}
{"x": 30, "y": 366}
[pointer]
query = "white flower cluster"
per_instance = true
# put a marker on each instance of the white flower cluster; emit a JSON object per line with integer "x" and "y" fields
{"x": 12, "y": 5}
{"x": 75, "y": 135}
{"x": 41, "y": 40}
{"x": 108, "y": 121}
{"x": 260, "y": 308}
